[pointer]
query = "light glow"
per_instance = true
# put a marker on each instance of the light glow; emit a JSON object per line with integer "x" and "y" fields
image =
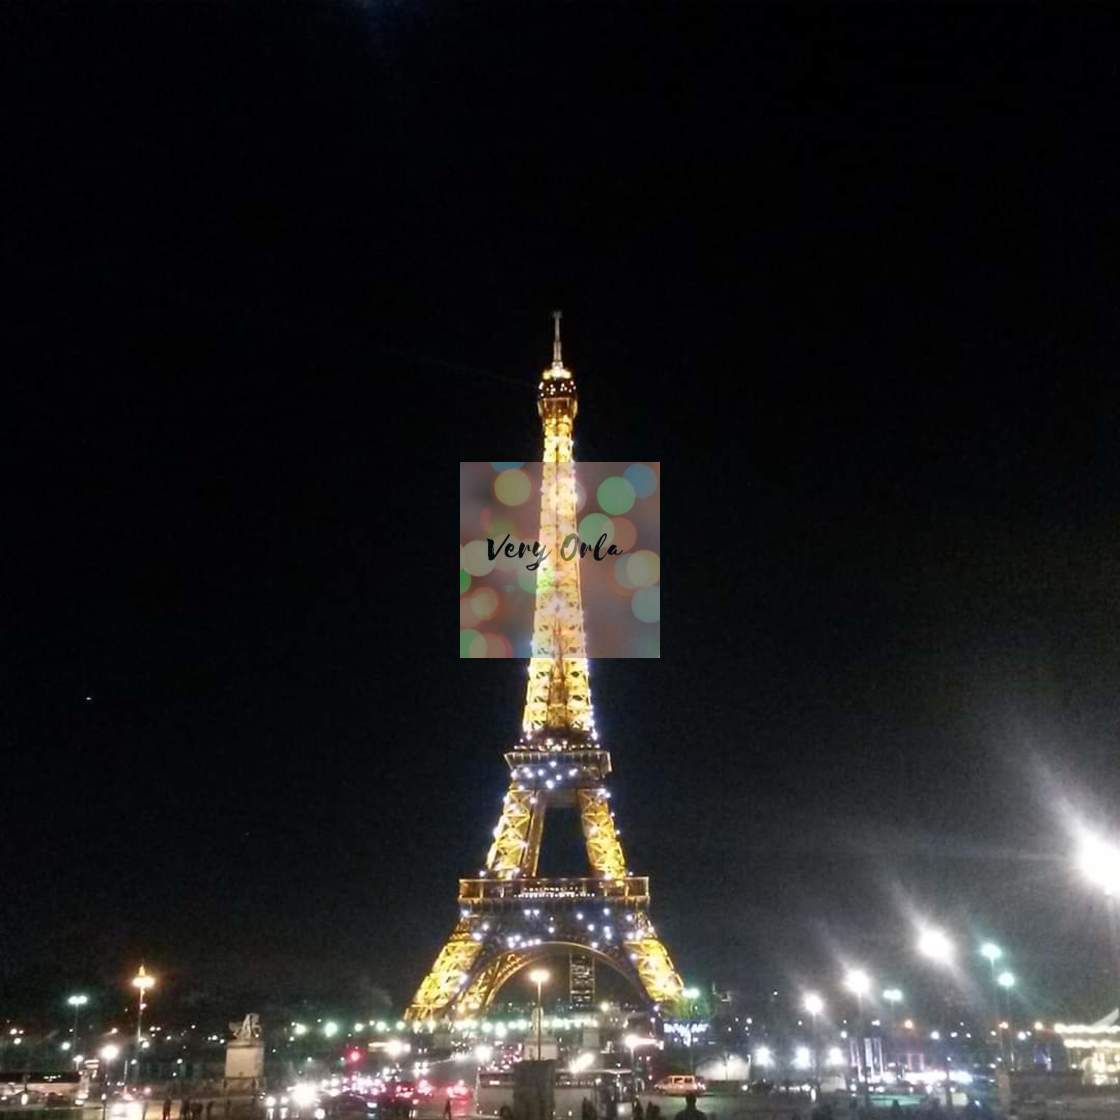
{"x": 857, "y": 981}
{"x": 1099, "y": 861}
{"x": 935, "y": 944}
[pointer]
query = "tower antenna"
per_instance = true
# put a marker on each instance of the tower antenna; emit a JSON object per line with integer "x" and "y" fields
{"x": 557, "y": 359}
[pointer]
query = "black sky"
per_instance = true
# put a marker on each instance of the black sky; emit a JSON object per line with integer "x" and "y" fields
{"x": 849, "y": 273}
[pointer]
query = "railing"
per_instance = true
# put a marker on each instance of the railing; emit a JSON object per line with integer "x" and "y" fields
{"x": 635, "y": 888}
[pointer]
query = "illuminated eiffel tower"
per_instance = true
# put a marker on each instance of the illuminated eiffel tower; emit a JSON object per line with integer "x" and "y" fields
{"x": 509, "y": 916}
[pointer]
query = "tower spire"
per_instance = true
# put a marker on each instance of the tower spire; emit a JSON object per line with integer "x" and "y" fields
{"x": 557, "y": 357}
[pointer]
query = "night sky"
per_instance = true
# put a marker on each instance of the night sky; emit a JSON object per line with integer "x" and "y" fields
{"x": 848, "y": 273}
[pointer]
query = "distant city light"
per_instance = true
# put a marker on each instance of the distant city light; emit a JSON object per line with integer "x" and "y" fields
{"x": 813, "y": 1003}
{"x": 991, "y": 951}
{"x": 892, "y": 995}
{"x": 330, "y": 1029}
{"x": 801, "y": 1057}
{"x": 1006, "y": 979}
{"x": 763, "y": 1057}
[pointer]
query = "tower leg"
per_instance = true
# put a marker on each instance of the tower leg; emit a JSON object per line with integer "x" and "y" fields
{"x": 448, "y": 975}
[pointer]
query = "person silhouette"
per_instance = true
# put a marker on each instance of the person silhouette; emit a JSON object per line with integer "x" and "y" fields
{"x": 690, "y": 1111}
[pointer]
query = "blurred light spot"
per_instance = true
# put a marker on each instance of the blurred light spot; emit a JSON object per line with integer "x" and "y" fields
{"x": 620, "y": 575}
{"x": 615, "y": 495}
{"x": 506, "y": 466}
{"x": 465, "y": 580}
{"x": 471, "y": 644}
{"x": 496, "y": 525}
{"x": 474, "y": 558}
{"x": 593, "y": 526}
{"x": 625, "y": 533}
{"x": 512, "y": 488}
{"x": 527, "y": 580}
{"x": 498, "y": 645}
{"x": 646, "y": 604}
{"x": 468, "y": 620}
{"x": 642, "y": 478}
{"x": 484, "y": 602}
{"x": 643, "y": 569}
{"x": 581, "y": 494}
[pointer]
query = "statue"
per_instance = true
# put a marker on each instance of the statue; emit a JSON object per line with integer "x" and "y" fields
{"x": 248, "y": 1030}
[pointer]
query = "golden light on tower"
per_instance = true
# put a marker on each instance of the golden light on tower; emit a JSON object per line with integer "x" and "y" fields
{"x": 507, "y": 913}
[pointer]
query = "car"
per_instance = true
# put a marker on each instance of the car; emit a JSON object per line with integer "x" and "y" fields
{"x": 351, "y": 1106}
{"x": 681, "y": 1084}
{"x": 398, "y": 1091}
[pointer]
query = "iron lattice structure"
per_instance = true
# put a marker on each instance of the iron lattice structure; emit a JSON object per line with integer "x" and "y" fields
{"x": 510, "y": 916}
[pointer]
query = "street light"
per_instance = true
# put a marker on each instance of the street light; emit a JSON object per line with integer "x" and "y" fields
{"x": 77, "y": 1002}
{"x": 143, "y": 983}
{"x": 935, "y": 944}
{"x": 1006, "y": 981}
{"x": 859, "y": 983}
{"x": 992, "y": 953}
{"x": 815, "y": 1005}
{"x": 108, "y": 1054}
{"x": 540, "y": 977}
{"x": 1099, "y": 861}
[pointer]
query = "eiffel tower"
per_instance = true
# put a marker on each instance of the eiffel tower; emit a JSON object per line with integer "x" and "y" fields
{"x": 509, "y": 916}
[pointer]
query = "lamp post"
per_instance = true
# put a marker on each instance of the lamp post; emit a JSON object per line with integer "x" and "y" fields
{"x": 991, "y": 952}
{"x": 77, "y": 1002}
{"x": 1006, "y": 981}
{"x": 893, "y": 997}
{"x": 936, "y": 946}
{"x": 108, "y": 1055}
{"x": 1098, "y": 860}
{"x": 143, "y": 983}
{"x": 859, "y": 984}
{"x": 815, "y": 1005}
{"x": 540, "y": 977}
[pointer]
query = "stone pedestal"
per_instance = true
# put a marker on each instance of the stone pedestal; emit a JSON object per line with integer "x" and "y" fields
{"x": 533, "y": 1085}
{"x": 244, "y": 1065}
